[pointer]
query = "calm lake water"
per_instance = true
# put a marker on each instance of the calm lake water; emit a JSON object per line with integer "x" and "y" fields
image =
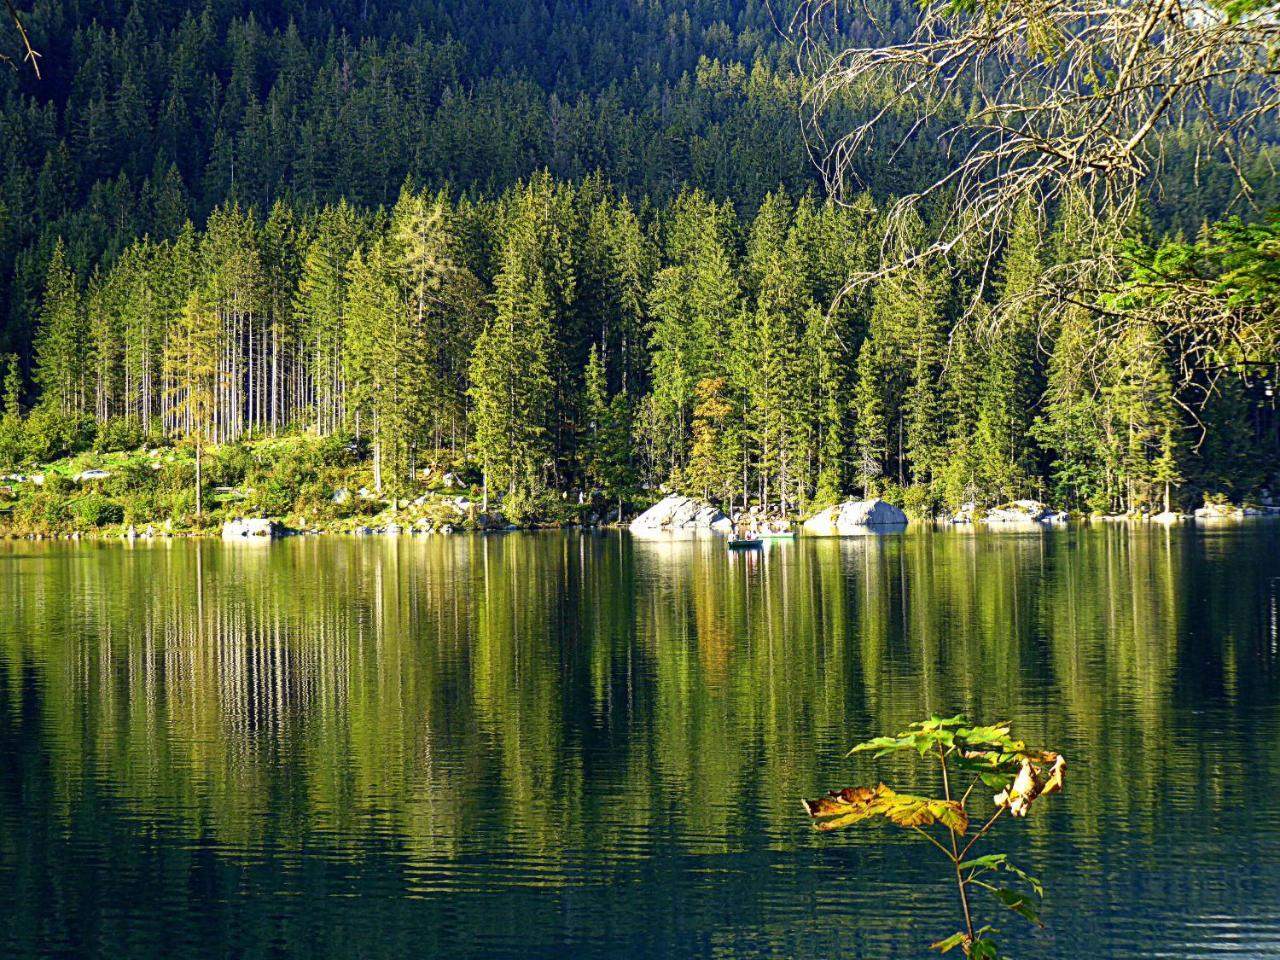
{"x": 551, "y": 745}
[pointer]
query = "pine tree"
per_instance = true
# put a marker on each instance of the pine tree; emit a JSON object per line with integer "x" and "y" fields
{"x": 899, "y": 396}
{"x": 511, "y": 384}
{"x": 11, "y": 434}
{"x": 319, "y": 304}
{"x": 195, "y": 378}
{"x": 388, "y": 369}
{"x": 605, "y": 448}
{"x": 714, "y": 456}
{"x": 871, "y": 437}
{"x": 1140, "y": 400}
{"x": 12, "y": 388}
{"x": 1010, "y": 389}
{"x": 62, "y": 356}
{"x": 775, "y": 399}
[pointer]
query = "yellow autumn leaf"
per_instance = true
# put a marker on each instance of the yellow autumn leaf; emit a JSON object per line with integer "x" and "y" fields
{"x": 852, "y": 805}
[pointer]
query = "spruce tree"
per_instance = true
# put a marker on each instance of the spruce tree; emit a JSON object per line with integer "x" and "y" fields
{"x": 511, "y": 384}
{"x": 1010, "y": 389}
{"x": 62, "y": 355}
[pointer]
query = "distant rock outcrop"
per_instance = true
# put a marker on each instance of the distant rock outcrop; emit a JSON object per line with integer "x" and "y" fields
{"x": 681, "y": 516}
{"x": 854, "y": 517}
{"x": 252, "y": 529}
{"x": 1218, "y": 511}
{"x": 1024, "y": 512}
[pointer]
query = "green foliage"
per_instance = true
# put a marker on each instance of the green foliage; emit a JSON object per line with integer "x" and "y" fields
{"x": 967, "y": 757}
{"x": 95, "y": 510}
{"x": 42, "y": 512}
{"x": 554, "y": 337}
{"x": 119, "y": 433}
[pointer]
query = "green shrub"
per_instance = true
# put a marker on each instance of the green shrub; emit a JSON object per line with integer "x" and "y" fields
{"x": 890, "y": 492}
{"x": 95, "y": 510}
{"x": 273, "y": 495}
{"x": 141, "y": 506}
{"x": 522, "y": 507}
{"x": 130, "y": 478}
{"x": 119, "y": 433}
{"x": 919, "y": 502}
{"x": 50, "y": 434}
{"x": 229, "y": 466}
{"x": 58, "y": 485}
{"x": 340, "y": 450}
{"x": 177, "y": 476}
{"x": 13, "y": 445}
{"x": 178, "y": 506}
{"x": 41, "y": 512}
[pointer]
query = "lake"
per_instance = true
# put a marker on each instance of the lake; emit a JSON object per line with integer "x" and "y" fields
{"x": 564, "y": 744}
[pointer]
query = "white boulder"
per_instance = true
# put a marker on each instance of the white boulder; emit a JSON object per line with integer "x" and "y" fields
{"x": 681, "y": 516}
{"x": 854, "y": 517}
{"x": 1024, "y": 512}
{"x": 250, "y": 528}
{"x": 1218, "y": 511}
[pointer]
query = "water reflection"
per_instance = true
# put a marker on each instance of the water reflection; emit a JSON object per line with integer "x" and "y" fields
{"x": 527, "y": 745}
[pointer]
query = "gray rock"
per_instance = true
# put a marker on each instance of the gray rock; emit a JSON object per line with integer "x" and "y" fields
{"x": 681, "y": 516}
{"x": 1023, "y": 512}
{"x": 856, "y": 517}
{"x": 250, "y": 528}
{"x": 1218, "y": 511}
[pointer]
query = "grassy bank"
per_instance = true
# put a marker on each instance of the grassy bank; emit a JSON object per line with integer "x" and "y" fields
{"x": 308, "y": 484}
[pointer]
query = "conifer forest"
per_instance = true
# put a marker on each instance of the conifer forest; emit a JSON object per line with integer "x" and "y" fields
{"x": 587, "y": 247}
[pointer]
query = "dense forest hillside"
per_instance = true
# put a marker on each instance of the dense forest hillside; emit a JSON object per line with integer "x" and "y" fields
{"x": 580, "y": 245}
{"x": 151, "y": 112}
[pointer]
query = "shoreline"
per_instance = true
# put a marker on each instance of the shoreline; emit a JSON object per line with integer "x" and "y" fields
{"x": 370, "y": 533}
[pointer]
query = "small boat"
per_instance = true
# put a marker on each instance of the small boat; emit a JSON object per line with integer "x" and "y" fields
{"x": 749, "y": 543}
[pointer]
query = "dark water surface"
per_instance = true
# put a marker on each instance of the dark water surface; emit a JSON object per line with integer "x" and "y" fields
{"x": 551, "y": 745}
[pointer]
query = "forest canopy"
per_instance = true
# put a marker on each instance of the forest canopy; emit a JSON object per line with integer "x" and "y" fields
{"x": 586, "y": 247}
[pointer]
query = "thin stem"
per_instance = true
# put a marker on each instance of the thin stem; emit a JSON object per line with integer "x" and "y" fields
{"x": 981, "y": 833}
{"x": 932, "y": 839}
{"x": 955, "y": 849}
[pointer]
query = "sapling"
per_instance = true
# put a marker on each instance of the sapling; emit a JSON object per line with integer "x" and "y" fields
{"x": 966, "y": 756}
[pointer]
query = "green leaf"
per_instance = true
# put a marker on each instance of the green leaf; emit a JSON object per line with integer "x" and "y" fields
{"x": 992, "y": 861}
{"x": 983, "y": 950}
{"x": 950, "y": 943}
{"x": 1019, "y": 903}
{"x": 883, "y": 745}
{"x": 1000, "y": 861}
{"x": 996, "y": 733}
{"x": 1026, "y": 878}
{"x": 936, "y": 722}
